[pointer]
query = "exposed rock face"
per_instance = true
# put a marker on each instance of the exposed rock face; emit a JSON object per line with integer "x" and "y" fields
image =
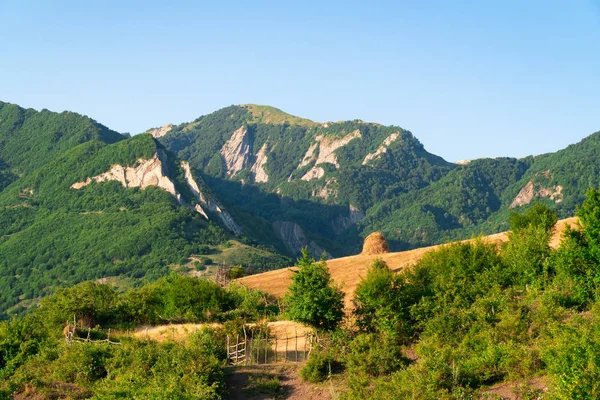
{"x": 145, "y": 173}
{"x": 326, "y": 148}
{"x": 342, "y": 223}
{"x": 309, "y": 156}
{"x": 208, "y": 202}
{"x": 160, "y": 132}
{"x": 382, "y": 149}
{"x": 295, "y": 240}
{"x": 313, "y": 173}
{"x": 236, "y": 152}
{"x": 462, "y": 162}
{"x": 259, "y": 174}
{"x": 152, "y": 172}
{"x": 532, "y": 190}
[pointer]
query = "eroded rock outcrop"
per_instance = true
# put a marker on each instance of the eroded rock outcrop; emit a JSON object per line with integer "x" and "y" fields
{"x": 313, "y": 173}
{"x": 382, "y": 149}
{"x": 323, "y": 151}
{"x": 292, "y": 235}
{"x": 160, "y": 132}
{"x": 144, "y": 173}
{"x": 259, "y": 173}
{"x": 533, "y": 190}
{"x": 236, "y": 152}
{"x": 152, "y": 172}
{"x": 208, "y": 201}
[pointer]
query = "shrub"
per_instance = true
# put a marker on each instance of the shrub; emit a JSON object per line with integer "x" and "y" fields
{"x": 313, "y": 299}
{"x": 373, "y": 355}
{"x": 317, "y": 368}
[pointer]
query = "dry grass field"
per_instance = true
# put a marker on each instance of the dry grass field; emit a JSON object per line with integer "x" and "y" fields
{"x": 349, "y": 271}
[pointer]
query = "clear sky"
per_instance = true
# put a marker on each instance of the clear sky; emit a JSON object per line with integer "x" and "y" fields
{"x": 470, "y": 79}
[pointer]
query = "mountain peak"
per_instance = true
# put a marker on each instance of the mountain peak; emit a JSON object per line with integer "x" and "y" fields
{"x": 272, "y": 115}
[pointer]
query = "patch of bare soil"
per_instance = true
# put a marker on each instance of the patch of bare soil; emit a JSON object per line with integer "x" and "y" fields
{"x": 531, "y": 389}
{"x": 291, "y": 386}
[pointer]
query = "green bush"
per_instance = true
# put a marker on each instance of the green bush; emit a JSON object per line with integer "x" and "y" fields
{"x": 371, "y": 355}
{"x": 317, "y": 368}
{"x": 313, "y": 299}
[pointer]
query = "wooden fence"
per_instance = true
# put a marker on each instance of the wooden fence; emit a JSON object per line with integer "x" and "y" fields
{"x": 262, "y": 349}
{"x": 71, "y": 335}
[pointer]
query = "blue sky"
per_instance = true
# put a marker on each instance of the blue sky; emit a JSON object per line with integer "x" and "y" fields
{"x": 469, "y": 78}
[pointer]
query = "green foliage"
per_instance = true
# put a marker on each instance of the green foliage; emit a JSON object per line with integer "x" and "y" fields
{"x": 262, "y": 383}
{"x": 579, "y": 255}
{"x": 313, "y": 299}
{"x": 539, "y": 215}
{"x": 34, "y": 357}
{"x": 236, "y": 272}
{"x": 52, "y": 235}
{"x": 573, "y": 359}
{"x": 317, "y": 368}
{"x": 528, "y": 256}
{"x": 381, "y": 304}
{"x": 372, "y": 355}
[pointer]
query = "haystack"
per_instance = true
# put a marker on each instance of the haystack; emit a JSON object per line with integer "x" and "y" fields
{"x": 375, "y": 244}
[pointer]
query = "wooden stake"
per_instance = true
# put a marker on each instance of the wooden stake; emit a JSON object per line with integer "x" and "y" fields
{"x": 237, "y": 340}
{"x": 286, "y": 344}
{"x": 296, "y": 330}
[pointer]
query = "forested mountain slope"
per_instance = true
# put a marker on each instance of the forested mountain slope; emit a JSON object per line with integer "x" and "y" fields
{"x": 79, "y": 201}
{"x": 334, "y": 183}
{"x": 94, "y": 204}
{"x": 300, "y": 174}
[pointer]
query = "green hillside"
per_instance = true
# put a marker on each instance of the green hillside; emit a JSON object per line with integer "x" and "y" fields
{"x": 286, "y": 194}
{"x": 382, "y": 172}
{"x": 53, "y": 235}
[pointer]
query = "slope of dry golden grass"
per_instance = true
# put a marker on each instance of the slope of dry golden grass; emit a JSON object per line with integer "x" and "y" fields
{"x": 349, "y": 271}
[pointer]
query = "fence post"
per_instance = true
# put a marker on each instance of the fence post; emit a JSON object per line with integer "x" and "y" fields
{"x": 227, "y": 348}
{"x": 275, "y": 349}
{"x": 296, "y": 330}
{"x": 286, "y": 344}
{"x": 305, "y": 340}
{"x": 237, "y": 341}
{"x": 266, "y": 349}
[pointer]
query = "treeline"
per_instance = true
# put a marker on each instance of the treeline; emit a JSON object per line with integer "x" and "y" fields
{"x": 472, "y": 315}
{"x": 35, "y": 358}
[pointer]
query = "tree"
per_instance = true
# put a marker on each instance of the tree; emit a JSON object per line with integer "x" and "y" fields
{"x": 313, "y": 298}
{"x": 528, "y": 251}
{"x": 538, "y": 215}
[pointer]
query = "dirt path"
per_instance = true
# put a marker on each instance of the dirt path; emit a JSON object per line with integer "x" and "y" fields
{"x": 241, "y": 384}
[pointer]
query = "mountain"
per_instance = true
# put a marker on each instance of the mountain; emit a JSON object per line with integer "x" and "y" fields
{"x": 83, "y": 202}
{"x": 327, "y": 186}
{"x": 312, "y": 181}
{"x": 246, "y": 185}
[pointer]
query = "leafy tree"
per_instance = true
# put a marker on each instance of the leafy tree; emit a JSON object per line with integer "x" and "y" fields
{"x": 527, "y": 253}
{"x": 380, "y": 302}
{"x": 313, "y": 298}
{"x": 538, "y": 215}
